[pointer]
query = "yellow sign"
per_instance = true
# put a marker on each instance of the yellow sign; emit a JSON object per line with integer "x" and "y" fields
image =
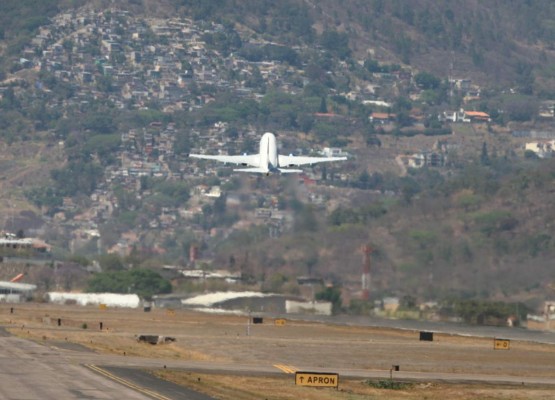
{"x": 279, "y": 322}
{"x": 102, "y": 306}
{"x": 316, "y": 379}
{"x": 501, "y": 344}
{"x": 170, "y": 311}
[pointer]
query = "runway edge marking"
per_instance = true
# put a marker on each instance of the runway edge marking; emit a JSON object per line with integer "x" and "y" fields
{"x": 127, "y": 383}
{"x": 288, "y": 369}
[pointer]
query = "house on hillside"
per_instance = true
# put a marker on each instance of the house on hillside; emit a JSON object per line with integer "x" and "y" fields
{"x": 333, "y": 152}
{"x": 381, "y": 118}
{"x": 543, "y": 149}
{"x": 419, "y": 160}
{"x": 477, "y": 116}
{"x": 464, "y": 116}
{"x": 547, "y": 109}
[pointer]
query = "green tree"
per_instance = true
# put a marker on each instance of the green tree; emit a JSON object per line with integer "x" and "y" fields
{"x": 333, "y": 295}
{"x": 143, "y": 282}
{"x": 111, "y": 262}
{"x": 484, "y": 157}
{"x": 323, "y": 106}
{"x": 336, "y": 42}
{"x": 426, "y": 80}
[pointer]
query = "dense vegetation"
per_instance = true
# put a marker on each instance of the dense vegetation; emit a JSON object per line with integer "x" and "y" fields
{"x": 467, "y": 236}
{"x": 144, "y": 282}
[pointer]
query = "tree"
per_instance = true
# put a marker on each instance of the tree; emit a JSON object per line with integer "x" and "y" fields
{"x": 337, "y": 43}
{"x": 232, "y": 133}
{"x": 409, "y": 189}
{"x": 256, "y": 80}
{"x": 100, "y": 122}
{"x": 426, "y": 80}
{"x": 522, "y": 108}
{"x": 305, "y": 122}
{"x": 323, "y": 106}
{"x": 77, "y": 177}
{"x": 143, "y": 282}
{"x": 147, "y": 283}
{"x": 9, "y": 101}
{"x": 333, "y": 295}
{"x": 305, "y": 220}
{"x": 111, "y": 262}
{"x": 484, "y": 157}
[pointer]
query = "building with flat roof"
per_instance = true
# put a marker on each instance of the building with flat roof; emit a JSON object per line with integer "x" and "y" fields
{"x": 15, "y": 292}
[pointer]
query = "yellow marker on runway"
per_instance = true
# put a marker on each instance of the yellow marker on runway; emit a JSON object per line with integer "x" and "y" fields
{"x": 501, "y": 344}
{"x": 288, "y": 369}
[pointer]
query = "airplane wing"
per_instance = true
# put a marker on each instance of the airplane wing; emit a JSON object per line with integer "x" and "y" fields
{"x": 252, "y": 160}
{"x": 286, "y": 161}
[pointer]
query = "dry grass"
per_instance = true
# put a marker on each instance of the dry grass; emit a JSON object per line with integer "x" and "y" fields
{"x": 303, "y": 345}
{"x": 250, "y": 388}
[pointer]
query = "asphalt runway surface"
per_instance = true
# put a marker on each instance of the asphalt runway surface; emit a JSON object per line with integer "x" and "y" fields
{"x": 30, "y": 371}
{"x": 452, "y": 328}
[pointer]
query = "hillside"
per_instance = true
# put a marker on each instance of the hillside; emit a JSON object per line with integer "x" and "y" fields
{"x": 487, "y": 233}
{"x": 100, "y": 106}
{"x": 495, "y": 43}
{"x": 490, "y": 42}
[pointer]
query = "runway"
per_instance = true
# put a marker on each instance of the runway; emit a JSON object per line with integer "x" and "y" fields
{"x": 52, "y": 367}
{"x": 34, "y": 371}
{"x": 29, "y": 371}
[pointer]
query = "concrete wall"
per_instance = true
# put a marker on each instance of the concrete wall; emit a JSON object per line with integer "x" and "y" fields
{"x": 308, "y": 307}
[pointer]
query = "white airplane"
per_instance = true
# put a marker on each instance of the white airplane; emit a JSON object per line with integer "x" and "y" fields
{"x": 268, "y": 160}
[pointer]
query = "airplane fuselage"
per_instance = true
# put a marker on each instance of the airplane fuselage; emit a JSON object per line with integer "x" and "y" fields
{"x": 268, "y": 152}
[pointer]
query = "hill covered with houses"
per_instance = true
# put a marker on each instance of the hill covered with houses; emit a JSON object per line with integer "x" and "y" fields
{"x": 449, "y": 164}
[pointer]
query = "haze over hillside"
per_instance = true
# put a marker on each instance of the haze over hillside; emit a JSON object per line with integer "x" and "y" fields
{"x": 444, "y": 109}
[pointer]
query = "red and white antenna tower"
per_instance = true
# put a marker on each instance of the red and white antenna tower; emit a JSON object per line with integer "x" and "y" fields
{"x": 366, "y": 251}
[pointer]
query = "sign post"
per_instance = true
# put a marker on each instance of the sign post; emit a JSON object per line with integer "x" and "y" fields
{"x": 317, "y": 379}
